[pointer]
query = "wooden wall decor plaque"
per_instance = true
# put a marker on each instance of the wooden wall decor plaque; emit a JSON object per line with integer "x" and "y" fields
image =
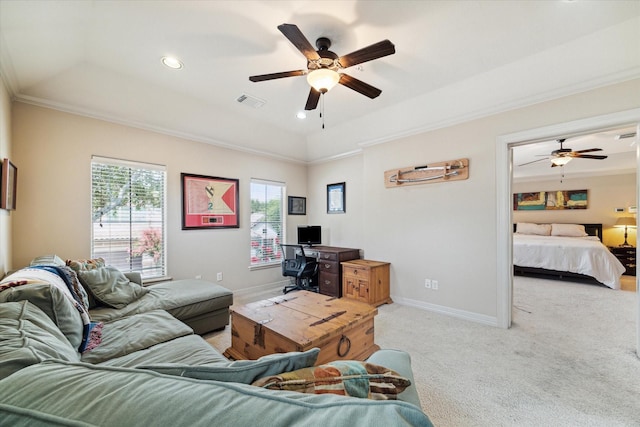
{"x": 452, "y": 170}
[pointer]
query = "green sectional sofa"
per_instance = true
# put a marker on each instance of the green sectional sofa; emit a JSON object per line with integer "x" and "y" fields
{"x": 149, "y": 368}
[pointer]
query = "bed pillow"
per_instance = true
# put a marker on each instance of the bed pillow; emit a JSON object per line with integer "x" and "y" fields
{"x": 242, "y": 371}
{"x": 343, "y": 377}
{"x": 530, "y": 228}
{"x": 111, "y": 287}
{"x": 568, "y": 230}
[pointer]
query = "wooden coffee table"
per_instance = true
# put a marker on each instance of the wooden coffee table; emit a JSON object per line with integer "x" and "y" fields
{"x": 341, "y": 328}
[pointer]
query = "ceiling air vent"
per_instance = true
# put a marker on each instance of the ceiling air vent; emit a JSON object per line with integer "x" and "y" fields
{"x": 626, "y": 135}
{"x": 251, "y": 101}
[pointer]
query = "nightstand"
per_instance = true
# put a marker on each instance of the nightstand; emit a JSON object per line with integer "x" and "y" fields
{"x": 366, "y": 281}
{"x": 627, "y": 256}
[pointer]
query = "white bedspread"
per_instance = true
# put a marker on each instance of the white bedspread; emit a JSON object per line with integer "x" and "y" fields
{"x": 583, "y": 255}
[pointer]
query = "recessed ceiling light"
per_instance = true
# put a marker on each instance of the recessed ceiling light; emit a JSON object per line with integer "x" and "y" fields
{"x": 301, "y": 115}
{"x": 172, "y": 62}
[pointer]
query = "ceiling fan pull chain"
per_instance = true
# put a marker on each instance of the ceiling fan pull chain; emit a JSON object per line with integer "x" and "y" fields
{"x": 322, "y": 109}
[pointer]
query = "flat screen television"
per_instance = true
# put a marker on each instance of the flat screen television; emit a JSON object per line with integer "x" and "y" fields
{"x": 309, "y": 235}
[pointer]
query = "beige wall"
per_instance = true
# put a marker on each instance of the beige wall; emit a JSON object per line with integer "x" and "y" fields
{"x": 53, "y": 151}
{"x": 446, "y": 231}
{"x": 5, "y": 151}
{"x": 605, "y": 193}
{"x": 442, "y": 231}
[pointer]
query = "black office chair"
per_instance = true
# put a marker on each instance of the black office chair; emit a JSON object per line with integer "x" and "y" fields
{"x": 304, "y": 268}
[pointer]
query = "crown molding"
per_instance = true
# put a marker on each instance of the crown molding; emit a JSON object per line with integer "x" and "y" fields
{"x": 65, "y": 108}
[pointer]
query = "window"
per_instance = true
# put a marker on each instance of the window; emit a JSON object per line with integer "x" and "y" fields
{"x": 267, "y": 223}
{"x": 128, "y": 215}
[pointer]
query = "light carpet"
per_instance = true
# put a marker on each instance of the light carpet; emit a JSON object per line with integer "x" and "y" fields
{"x": 568, "y": 360}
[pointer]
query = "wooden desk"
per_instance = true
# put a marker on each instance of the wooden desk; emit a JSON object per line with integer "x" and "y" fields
{"x": 329, "y": 270}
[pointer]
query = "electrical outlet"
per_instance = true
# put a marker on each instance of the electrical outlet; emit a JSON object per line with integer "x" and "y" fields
{"x": 427, "y": 283}
{"x": 219, "y": 277}
{"x": 434, "y": 285}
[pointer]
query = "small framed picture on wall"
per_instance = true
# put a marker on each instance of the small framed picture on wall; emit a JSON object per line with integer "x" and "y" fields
{"x": 9, "y": 180}
{"x": 297, "y": 205}
{"x": 336, "y": 198}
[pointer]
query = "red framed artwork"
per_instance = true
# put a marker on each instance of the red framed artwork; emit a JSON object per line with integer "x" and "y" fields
{"x": 209, "y": 202}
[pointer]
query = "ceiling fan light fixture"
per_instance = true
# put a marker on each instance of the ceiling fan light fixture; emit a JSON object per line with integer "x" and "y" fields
{"x": 323, "y": 79}
{"x": 560, "y": 161}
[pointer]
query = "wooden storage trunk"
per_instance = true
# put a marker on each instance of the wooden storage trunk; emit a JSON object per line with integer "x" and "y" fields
{"x": 341, "y": 328}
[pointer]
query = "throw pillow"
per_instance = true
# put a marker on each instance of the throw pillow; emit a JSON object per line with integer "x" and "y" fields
{"x": 343, "y": 377}
{"x": 82, "y": 265}
{"x": 111, "y": 287}
{"x": 242, "y": 371}
{"x": 85, "y": 264}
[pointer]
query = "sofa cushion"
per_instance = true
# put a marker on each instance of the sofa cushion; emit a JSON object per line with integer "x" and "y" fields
{"x": 28, "y": 336}
{"x": 182, "y": 298}
{"x": 110, "y": 286}
{"x": 131, "y": 334}
{"x": 242, "y": 371}
{"x": 343, "y": 377}
{"x": 109, "y": 396}
{"x": 52, "y": 301}
{"x": 187, "y": 350}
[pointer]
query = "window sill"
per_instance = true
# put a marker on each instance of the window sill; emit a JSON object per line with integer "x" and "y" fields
{"x": 153, "y": 280}
{"x": 264, "y": 266}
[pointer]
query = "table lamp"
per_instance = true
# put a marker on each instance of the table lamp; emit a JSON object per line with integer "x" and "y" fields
{"x": 625, "y": 221}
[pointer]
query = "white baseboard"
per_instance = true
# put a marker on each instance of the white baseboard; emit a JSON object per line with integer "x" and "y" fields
{"x": 257, "y": 293}
{"x": 447, "y": 311}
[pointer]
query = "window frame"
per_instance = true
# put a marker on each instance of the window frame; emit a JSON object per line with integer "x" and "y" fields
{"x": 256, "y": 248}
{"x": 158, "y": 269}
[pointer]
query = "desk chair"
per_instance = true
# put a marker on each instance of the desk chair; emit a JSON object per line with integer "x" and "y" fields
{"x": 304, "y": 268}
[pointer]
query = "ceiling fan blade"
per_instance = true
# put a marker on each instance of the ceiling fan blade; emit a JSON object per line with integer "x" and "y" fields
{"x": 590, "y": 156}
{"x": 534, "y": 161}
{"x": 369, "y": 53}
{"x": 295, "y": 36}
{"x": 312, "y": 100}
{"x": 281, "y": 75}
{"x": 359, "y": 86}
{"x": 588, "y": 151}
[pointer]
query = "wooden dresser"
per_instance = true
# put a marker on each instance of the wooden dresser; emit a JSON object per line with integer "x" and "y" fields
{"x": 366, "y": 281}
{"x": 329, "y": 271}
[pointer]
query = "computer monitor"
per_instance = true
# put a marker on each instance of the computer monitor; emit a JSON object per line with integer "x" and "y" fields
{"x": 309, "y": 235}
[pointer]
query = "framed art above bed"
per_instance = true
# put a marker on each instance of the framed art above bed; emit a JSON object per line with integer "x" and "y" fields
{"x": 550, "y": 200}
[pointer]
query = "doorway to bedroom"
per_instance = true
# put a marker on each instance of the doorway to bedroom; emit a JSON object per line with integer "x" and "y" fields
{"x": 512, "y": 152}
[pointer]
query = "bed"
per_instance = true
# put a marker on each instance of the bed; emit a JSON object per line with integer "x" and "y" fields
{"x": 565, "y": 251}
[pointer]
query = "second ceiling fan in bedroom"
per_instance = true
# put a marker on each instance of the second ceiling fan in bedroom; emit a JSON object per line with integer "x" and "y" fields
{"x": 562, "y": 156}
{"x": 324, "y": 68}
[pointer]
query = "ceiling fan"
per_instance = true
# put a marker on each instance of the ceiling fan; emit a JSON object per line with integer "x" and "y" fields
{"x": 562, "y": 156}
{"x": 324, "y": 67}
